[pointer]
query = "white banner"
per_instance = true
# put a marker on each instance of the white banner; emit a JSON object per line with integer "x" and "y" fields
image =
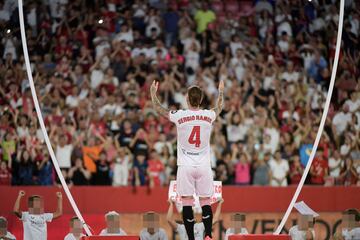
{"x": 175, "y": 197}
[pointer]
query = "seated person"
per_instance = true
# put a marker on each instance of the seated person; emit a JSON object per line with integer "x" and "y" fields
{"x": 112, "y": 225}
{"x": 151, "y": 230}
{"x": 349, "y": 226}
{"x": 238, "y": 225}
{"x": 4, "y": 233}
{"x": 304, "y": 230}
{"x": 76, "y": 229}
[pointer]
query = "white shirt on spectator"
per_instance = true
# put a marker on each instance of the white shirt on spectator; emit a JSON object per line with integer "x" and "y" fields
{"x": 297, "y": 234}
{"x": 317, "y": 24}
{"x": 126, "y": 36}
{"x": 188, "y": 42}
{"x": 71, "y": 236}
{"x": 353, "y": 105}
{"x": 152, "y": 52}
{"x": 236, "y": 132}
{"x": 345, "y": 149}
{"x": 354, "y": 26}
{"x": 121, "y": 171}
{"x": 290, "y": 76}
{"x": 231, "y": 231}
{"x": 10, "y": 236}
{"x": 22, "y": 131}
{"x": 63, "y": 155}
{"x": 274, "y": 139}
{"x": 192, "y": 60}
{"x": 283, "y": 45}
{"x": 72, "y": 101}
{"x": 239, "y": 67}
{"x": 284, "y": 26}
{"x": 353, "y": 234}
{"x": 9, "y": 47}
{"x": 341, "y": 121}
{"x": 101, "y": 44}
{"x": 104, "y": 232}
{"x": 199, "y": 230}
{"x": 279, "y": 170}
{"x": 159, "y": 235}
{"x": 57, "y": 8}
{"x": 137, "y": 51}
{"x": 35, "y": 225}
{"x": 333, "y": 163}
{"x": 4, "y": 15}
{"x": 97, "y": 76}
{"x": 269, "y": 82}
{"x": 235, "y": 46}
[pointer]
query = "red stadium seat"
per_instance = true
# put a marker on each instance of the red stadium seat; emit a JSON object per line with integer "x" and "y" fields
{"x": 111, "y": 238}
{"x": 260, "y": 237}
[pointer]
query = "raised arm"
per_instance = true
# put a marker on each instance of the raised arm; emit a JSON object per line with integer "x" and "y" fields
{"x": 155, "y": 101}
{"x": 17, "y": 211}
{"x": 220, "y": 101}
{"x": 59, "y": 210}
{"x": 218, "y": 211}
{"x": 169, "y": 215}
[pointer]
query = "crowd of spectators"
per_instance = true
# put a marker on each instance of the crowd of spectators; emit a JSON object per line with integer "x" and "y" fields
{"x": 93, "y": 63}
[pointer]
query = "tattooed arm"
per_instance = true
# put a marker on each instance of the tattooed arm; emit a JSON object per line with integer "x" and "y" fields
{"x": 155, "y": 101}
{"x": 220, "y": 101}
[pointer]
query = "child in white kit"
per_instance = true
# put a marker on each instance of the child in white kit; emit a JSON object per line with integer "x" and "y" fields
{"x": 35, "y": 220}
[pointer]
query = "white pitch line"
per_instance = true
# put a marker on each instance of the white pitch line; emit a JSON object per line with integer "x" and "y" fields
{"x": 322, "y": 123}
{"x": 41, "y": 121}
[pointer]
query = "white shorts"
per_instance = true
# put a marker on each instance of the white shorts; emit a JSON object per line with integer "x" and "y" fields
{"x": 195, "y": 179}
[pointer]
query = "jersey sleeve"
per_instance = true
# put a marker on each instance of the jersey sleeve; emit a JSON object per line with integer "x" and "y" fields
{"x": 163, "y": 235}
{"x": 24, "y": 216}
{"x": 48, "y": 217}
{"x": 174, "y": 115}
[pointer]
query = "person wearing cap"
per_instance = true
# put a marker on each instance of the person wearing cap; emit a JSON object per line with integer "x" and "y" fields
{"x": 75, "y": 229}
{"x": 4, "y": 233}
{"x": 112, "y": 225}
{"x": 151, "y": 230}
{"x": 238, "y": 225}
{"x": 304, "y": 229}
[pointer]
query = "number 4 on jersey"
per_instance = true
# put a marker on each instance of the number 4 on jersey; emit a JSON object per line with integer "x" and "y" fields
{"x": 194, "y": 137}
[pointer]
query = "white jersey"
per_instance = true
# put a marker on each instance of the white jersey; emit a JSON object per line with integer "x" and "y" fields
{"x": 71, "y": 236}
{"x": 159, "y": 235}
{"x": 199, "y": 230}
{"x": 9, "y": 236}
{"x": 352, "y": 234}
{"x": 193, "y": 136}
{"x": 231, "y": 231}
{"x": 35, "y": 225}
{"x": 297, "y": 234}
{"x": 104, "y": 232}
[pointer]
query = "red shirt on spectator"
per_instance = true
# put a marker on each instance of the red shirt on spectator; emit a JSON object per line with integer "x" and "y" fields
{"x": 155, "y": 167}
{"x": 319, "y": 168}
{"x": 5, "y": 176}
